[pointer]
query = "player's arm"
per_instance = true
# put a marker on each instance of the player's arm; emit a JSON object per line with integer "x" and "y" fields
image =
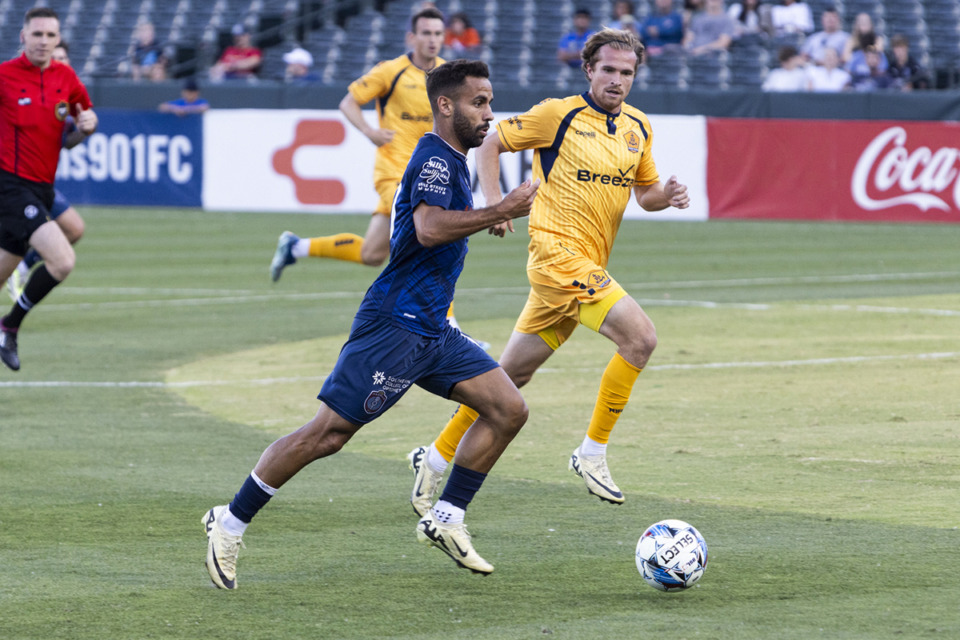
{"x": 74, "y": 138}
{"x": 351, "y": 110}
{"x": 659, "y": 196}
{"x": 488, "y": 174}
{"x": 436, "y": 225}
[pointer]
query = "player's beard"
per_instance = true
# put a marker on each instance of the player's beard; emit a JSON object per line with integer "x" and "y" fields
{"x": 468, "y": 135}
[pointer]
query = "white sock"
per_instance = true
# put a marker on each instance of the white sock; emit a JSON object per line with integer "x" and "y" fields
{"x": 301, "y": 249}
{"x": 453, "y": 322}
{"x": 232, "y": 524}
{"x": 270, "y": 491}
{"x": 592, "y": 448}
{"x": 436, "y": 461}
{"x": 447, "y": 513}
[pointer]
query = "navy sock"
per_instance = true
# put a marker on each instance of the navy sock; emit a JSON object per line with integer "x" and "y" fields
{"x": 249, "y": 500}
{"x": 462, "y": 485}
{"x": 31, "y": 258}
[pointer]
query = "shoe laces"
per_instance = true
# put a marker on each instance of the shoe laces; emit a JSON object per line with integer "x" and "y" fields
{"x": 230, "y": 547}
{"x": 599, "y": 466}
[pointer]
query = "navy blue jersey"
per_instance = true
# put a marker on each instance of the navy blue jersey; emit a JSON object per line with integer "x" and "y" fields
{"x": 416, "y": 288}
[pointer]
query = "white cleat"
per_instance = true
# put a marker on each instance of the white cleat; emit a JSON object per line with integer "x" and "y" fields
{"x": 222, "y": 550}
{"x": 426, "y": 481}
{"x": 596, "y": 475}
{"x": 453, "y": 540}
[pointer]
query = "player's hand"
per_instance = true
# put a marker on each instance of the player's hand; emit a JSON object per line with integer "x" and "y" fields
{"x": 518, "y": 202}
{"x": 501, "y": 229}
{"x": 381, "y": 137}
{"x": 86, "y": 120}
{"x": 676, "y": 193}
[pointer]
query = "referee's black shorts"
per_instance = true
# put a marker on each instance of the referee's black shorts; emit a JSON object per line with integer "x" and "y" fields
{"x": 24, "y": 206}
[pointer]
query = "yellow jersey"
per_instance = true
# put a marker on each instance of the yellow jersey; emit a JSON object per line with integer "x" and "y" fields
{"x": 588, "y": 161}
{"x": 400, "y": 88}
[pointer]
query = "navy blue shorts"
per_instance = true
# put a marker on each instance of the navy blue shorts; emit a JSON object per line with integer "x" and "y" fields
{"x": 380, "y": 361}
{"x": 60, "y": 204}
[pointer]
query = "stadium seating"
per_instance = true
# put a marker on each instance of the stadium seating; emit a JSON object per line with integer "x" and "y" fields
{"x": 520, "y": 36}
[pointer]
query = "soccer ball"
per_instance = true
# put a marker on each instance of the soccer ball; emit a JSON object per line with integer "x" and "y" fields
{"x": 671, "y": 555}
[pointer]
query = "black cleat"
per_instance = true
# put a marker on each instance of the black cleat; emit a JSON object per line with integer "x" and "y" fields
{"x": 8, "y": 349}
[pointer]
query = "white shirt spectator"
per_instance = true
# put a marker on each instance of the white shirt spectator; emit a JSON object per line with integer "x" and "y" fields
{"x": 786, "y": 80}
{"x": 826, "y": 80}
{"x": 814, "y": 45}
{"x": 792, "y": 17}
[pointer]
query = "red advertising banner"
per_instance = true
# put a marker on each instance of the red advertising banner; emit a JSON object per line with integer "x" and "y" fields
{"x": 834, "y": 170}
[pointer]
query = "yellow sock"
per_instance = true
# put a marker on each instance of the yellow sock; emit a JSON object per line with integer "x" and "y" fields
{"x": 451, "y": 435}
{"x": 615, "y": 387}
{"x": 343, "y": 246}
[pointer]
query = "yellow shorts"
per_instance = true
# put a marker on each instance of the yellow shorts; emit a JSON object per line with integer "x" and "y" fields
{"x": 564, "y": 295}
{"x": 386, "y": 188}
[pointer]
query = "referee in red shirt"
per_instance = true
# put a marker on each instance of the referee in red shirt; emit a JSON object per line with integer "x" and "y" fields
{"x": 36, "y": 96}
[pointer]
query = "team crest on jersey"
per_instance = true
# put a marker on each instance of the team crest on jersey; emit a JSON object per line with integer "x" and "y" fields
{"x": 595, "y": 280}
{"x": 598, "y": 279}
{"x": 375, "y": 401}
{"x": 633, "y": 141}
{"x": 435, "y": 169}
{"x": 62, "y": 110}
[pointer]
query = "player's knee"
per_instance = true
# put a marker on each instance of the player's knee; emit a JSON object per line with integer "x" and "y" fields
{"x": 515, "y": 413}
{"x": 519, "y": 374}
{"x": 373, "y": 257}
{"x": 640, "y": 347}
{"x": 61, "y": 266}
{"x": 648, "y": 341}
{"x": 75, "y": 231}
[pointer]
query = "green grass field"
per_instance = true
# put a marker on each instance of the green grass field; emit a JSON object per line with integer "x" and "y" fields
{"x": 801, "y": 411}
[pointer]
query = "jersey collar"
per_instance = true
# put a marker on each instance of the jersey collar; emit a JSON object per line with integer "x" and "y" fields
{"x": 611, "y": 117}
{"x": 447, "y": 144}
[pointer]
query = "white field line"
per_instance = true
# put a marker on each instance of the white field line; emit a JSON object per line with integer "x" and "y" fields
{"x": 200, "y": 297}
{"x": 543, "y": 370}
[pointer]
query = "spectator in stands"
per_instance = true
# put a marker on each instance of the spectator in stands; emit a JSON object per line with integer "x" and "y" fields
{"x": 568, "y": 52}
{"x": 461, "y": 39}
{"x": 858, "y": 65}
{"x": 146, "y": 55}
{"x": 828, "y": 76}
{"x": 299, "y": 67}
{"x": 752, "y": 21}
{"x": 906, "y": 72}
{"x": 241, "y": 61}
{"x": 861, "y": 36}
{"x": 792, "y": 17}
{"x": 623, "y": 9}
{"x": 690, "y": 7}
{"x": 711, "y": 30}
{"x": 188, "y": 103}
{"x": 629, "y": 23}
{"x": 871, "y": 77}
{"x": 791, "y": 75}
{"x": 832, "y": 36}
{"x": 662, "y": 30}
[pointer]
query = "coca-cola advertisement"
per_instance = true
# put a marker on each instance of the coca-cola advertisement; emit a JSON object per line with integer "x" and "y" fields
{"x": 873, "y": 171}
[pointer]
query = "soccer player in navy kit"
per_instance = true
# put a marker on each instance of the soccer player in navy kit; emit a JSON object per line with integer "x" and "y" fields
{"x": 400, "y": 335}
{"x": 36, "y": 96}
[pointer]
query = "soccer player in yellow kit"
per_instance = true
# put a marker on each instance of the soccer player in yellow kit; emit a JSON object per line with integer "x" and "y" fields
{"x": 591, "y": 152}
{"x": 403, "y": 110}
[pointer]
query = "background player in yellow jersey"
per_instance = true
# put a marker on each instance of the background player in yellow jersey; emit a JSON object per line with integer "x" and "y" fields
{"x": 592, "y": 151}
{"x": 403, "y": 110}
